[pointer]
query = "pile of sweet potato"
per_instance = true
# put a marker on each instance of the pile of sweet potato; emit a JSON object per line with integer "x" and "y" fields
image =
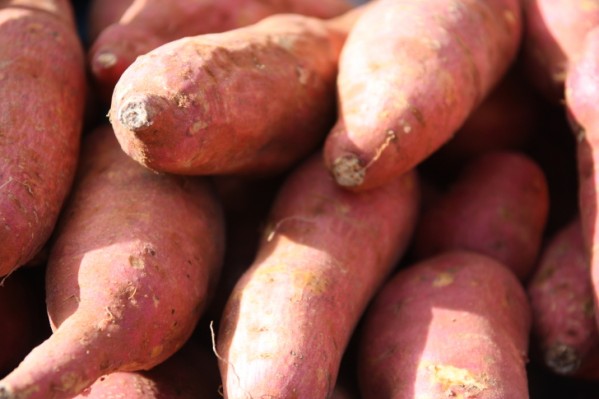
{"x": 299, "y": 199}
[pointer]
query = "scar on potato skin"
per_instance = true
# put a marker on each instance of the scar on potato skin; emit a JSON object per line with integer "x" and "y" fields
{"x": 138, "y": 112}
{"x": 348, "y": 170}
{"x": 456, "y": 381}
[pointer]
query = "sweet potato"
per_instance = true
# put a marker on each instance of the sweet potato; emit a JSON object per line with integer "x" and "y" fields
{"x": 455, "y": 325}
{"x": 582, "y": 95}
{"x": 133, "y": 265}
{"x": 498, "y": 206}
{"x": 561, "y": 295}
{"x": 246, "y": 203}
{"x": 42, "y": 87}
{"x": 554, "y": 35}
{"x": 149, "y": 24}
{"x": 102, "y": 14}
{"x": 254, "y": 100}
{"x": 289, "y": 318}
{"x": 410, "y": 73}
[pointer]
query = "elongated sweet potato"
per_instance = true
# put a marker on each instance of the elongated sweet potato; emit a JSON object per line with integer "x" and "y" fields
{"x": 497, "y": 206}
{"x": 254, "y": 100}
{"x": 410, "y": 73}
{"x": 134, "y": 262}
{"x": 455, "y": 325}
{"x": 582, "y": 95}
{"x": 146, "y": 25}
{"x": 289, "y": 318}
{"x": 42, "y": 91}
{"x": 553, "y": 37}
{"x": 561, "y": 294}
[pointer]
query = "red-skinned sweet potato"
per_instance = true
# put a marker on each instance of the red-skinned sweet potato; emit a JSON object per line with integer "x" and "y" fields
{"x": 289, "y": 318}
{"x": 134, "y": 263}
{"x": 455, "y": 325}
{"x": 497, "y": 206}
{"x": 42, "y": 87}
{"x": 582, "y": 96}
{"x": 246, "y": 203}
{"x": 254, "y": 100}
{"x": 149, "y": 24}
{"x": 561, "y": 295}
{"x": 553, "y": 37}
{"x": 410, "y": 73}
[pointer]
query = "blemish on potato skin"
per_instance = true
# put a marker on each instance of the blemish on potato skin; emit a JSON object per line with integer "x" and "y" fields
{"x": 458, "y": 382}
{"x": 136, "y": 262}
{"x": 443, "y": 279}
{"x": 156, "y": 351}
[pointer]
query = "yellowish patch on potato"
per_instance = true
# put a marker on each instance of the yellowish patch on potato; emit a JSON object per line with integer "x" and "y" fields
{"x": 509, "y": 17}
{"x": 589, "y": 5}
{"x": 72, "y": 382}
{"x": 446, "y": 81}
{"x": 443, "y": 279}
{"x": 136, "y": 262}
{"x": 310, "y": 281}
{"x": 457, "y": 382}
{"x": 156, "y": 351}
{"x": 197, "y": 126}
{"x": 302, "y": 281}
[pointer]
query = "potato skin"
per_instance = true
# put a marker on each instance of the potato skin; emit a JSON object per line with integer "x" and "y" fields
{"x": 554, "y": 36}
{"x": 497, "y": 206}
{"x": 249, "y": 101}
{"x": 507, "y": 119}
{"x": 290, "y": 316}
{"x": 561, "y": 295}
{"x": 452, "y": 325}
{"x": 146, "y": 25}
{"x": 104, "y": 13}
{"x": 582, "y": 95}
{"x": 135, "y": 260}
{"x": 409, "y": 75}
{"x": 42, "y": 86}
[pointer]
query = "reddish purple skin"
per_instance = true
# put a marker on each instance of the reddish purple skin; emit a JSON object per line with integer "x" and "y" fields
{"x": 553, "y": 38}
{"x": 322, "y": 258}
{"x": 146, "y": 25}
{"x": 453, "y": 325}
{"x": 42, "y": 87}
{"x": 582, "y": 96}
{"x": 135, "y": 260}
{"x": 409, "y": 75}
{"x": 220, "y": 109}
{"x": 507, "y": 119}
{"x": 561, "y": 297}
{"x": 497, "y": 206}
